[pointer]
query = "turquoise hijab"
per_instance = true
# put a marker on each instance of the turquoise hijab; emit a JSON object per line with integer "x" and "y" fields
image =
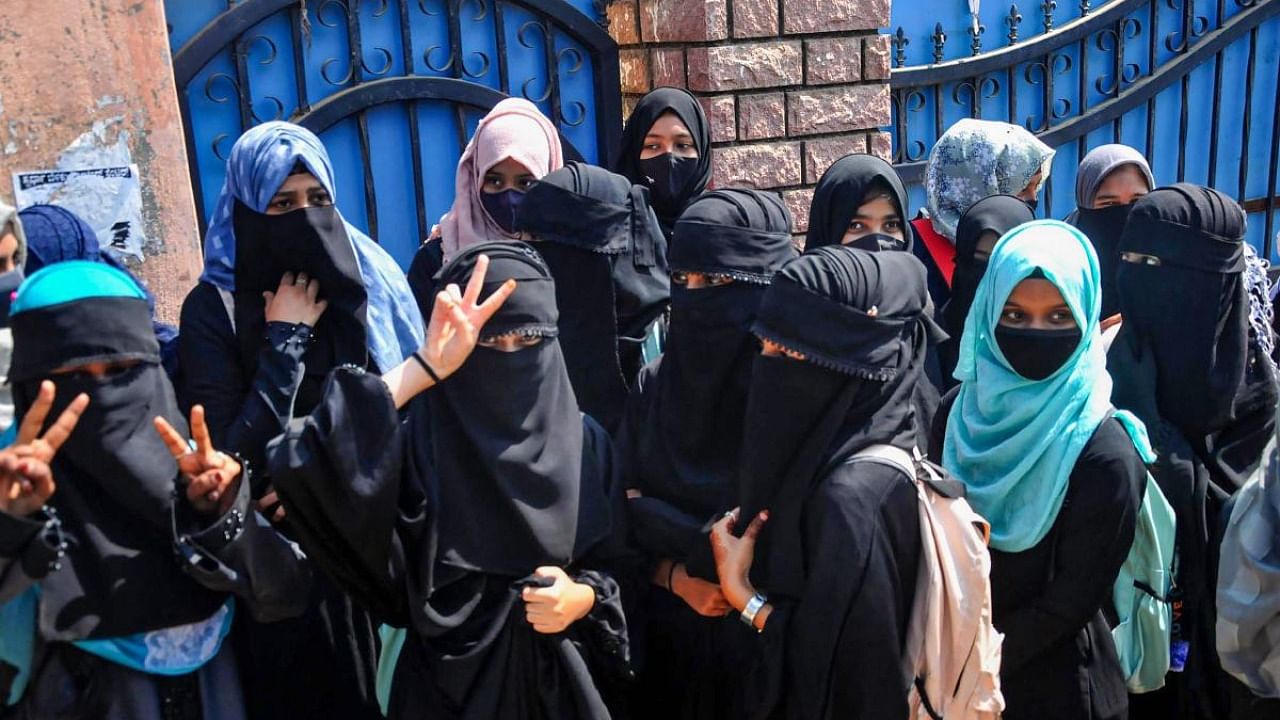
{"x": 1014, "y": 441}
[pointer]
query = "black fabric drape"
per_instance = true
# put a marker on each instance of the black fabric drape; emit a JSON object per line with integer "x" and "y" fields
{"x": 608, "y": 255}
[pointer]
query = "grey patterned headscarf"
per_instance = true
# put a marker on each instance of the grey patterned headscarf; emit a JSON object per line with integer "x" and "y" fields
{"x": 1248, "y": 628}
{"x": 975, "y": 159}
{"x": 1101, "y": 162}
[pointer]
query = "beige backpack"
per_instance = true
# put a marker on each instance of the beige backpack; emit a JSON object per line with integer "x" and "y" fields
{"x": 952, "y": 652}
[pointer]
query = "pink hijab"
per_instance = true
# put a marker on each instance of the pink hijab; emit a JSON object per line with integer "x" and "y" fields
{"x": 514, "y": 129}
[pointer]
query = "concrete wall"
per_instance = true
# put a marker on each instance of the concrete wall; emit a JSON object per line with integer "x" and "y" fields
{"x": 83, "y": 79}
{"x": 789, "y": 86}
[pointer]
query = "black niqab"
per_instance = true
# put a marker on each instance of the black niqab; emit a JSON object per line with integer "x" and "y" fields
{"x": 844, "y": 188}
{"x": 608, "y": 255}
{"x": 506, "y": 437}
{"x": 690, "y": 434}
{"x": 862, "y": 320}
{"x": 116, "y": 477}
{"x": 312, "y": 240}
{"x": 998, "y": 214}
{"x": 1183, "y": 298}
{"x": 651, "y": 107}
{"x": 1104, "y": 227}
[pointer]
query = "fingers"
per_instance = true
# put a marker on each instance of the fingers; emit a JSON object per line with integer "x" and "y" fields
{"x": 757, "y": 524}
{"x": 313, "y": 290}
{"x": 455, "y": 294}
{"x": 200, "y": 432}
{"x": 40, "y": 477}
{"x": 172, "y": 438}
{"x": 476, "y": 282}
{"x": 286, "y": 280}
{"x": 321, "y": 306}
{"x": 29, "y": 430}
{"x": 66, "y": 423}
{"x": 495, "y": 301}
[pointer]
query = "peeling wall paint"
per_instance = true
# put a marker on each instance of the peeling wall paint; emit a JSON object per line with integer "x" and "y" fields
{"x": 90, "y": 83}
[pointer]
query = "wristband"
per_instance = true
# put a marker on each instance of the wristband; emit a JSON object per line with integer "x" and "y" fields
{"x": 752, "y": 609}
{"x": 427, "y": 368}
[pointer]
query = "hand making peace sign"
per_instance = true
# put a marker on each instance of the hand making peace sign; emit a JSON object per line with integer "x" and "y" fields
{"x": 26, "y": 481}
{"x": 212, "y": 478}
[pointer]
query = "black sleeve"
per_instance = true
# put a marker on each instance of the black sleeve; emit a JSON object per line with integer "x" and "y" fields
{"x": 338, "y": 473}
{"x": 659, "y": 529}
{"x": 1093, "y": 534}
{"x": 241, "y": 553}
{"x": 243, "y": 412}
{"x": 30, "y": 549}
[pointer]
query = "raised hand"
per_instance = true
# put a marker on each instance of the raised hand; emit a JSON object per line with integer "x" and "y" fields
{"x": 26, "y": 481}
{"x": 211, "y": 478}
{"x": 295, "y": 300}
{"x": 457, "y": 318}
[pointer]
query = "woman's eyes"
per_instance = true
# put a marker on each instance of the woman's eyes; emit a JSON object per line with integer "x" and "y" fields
{"x": 857, "y": 226}
{"x": 716, "y": 280}
{"x": 526, "y": 183}
{"x": 1013, "y": 316}
{"x": 686, "y": 146}
{"x": 680, "y": 278}
{"x": 1061, "y": 317}
{"x": 320, "y": 199}
{"x": 892, "y": 225}
{"x": 283, "y": 204}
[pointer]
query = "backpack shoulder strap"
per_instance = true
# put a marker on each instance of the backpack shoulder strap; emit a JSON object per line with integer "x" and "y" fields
{"x": 889, "y": 456}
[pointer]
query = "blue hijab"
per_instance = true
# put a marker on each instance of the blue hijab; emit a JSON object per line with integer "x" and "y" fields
{"x": 1014, "y": 442}
{"x": 260, "y": 162}
{"x": 55, "y": 234}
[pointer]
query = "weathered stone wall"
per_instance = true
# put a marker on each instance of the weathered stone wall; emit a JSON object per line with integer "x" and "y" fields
{"x": 95, "y": 78}
{"x": 789, "y": 85}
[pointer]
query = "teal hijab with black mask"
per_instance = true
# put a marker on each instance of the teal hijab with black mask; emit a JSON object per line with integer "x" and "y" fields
{"x": 1014, "y": 437}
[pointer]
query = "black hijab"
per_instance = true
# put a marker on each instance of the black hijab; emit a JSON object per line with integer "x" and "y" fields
{"x": 691, "y": 430}
{"x": 116, "y": 478}
{"x": 604, "y": 247}
{"x": 844, "y": 188}
{"x": 651, "y": 107}
{"x": 313, "y": 240}
{"x": 1183, "y": 298}
{"x": 1104, "y": 228}
{"x": 854, "y": 388}
{"x": 998, "y": 214}
{"x": 505, "y": 452}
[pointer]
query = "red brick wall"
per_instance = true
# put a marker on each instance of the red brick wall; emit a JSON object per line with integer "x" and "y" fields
{"x": 789, "y": 85}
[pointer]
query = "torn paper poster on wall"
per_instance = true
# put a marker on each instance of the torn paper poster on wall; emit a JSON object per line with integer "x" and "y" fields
{"x": 108, "y": 198}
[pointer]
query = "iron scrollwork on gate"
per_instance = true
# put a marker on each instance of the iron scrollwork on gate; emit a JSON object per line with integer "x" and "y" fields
{"x": 324, "y": 62}
{"x": 1103, "y": 70}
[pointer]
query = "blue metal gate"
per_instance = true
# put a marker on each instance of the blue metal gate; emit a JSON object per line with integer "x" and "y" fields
{"x": 1191, "y": 84}
{"x": 393, "y": 87}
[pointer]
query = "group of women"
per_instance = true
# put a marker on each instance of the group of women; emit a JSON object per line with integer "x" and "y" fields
{"x": 601, "y": 451}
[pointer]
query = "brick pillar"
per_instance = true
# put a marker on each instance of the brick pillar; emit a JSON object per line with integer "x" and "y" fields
{"x": 83, "y": 76}
{"x": 789, "y": 86}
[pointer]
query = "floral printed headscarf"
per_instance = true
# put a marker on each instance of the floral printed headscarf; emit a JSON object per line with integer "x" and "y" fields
{"x": 975, "y": 159}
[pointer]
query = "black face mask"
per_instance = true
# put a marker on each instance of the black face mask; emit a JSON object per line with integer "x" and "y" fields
{"x": 1037, "y": 354}
{"x": 502, "y": 207}
{"x": 312, "y": 240}
{"x": 668, "y": 176}
{"x": 9, "y": 283}
{"x": 878, "y": 242}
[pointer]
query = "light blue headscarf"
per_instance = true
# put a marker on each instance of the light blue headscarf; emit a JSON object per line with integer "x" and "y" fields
{"x": 1014, "y": 441}
{"x": 260, "y": 162}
